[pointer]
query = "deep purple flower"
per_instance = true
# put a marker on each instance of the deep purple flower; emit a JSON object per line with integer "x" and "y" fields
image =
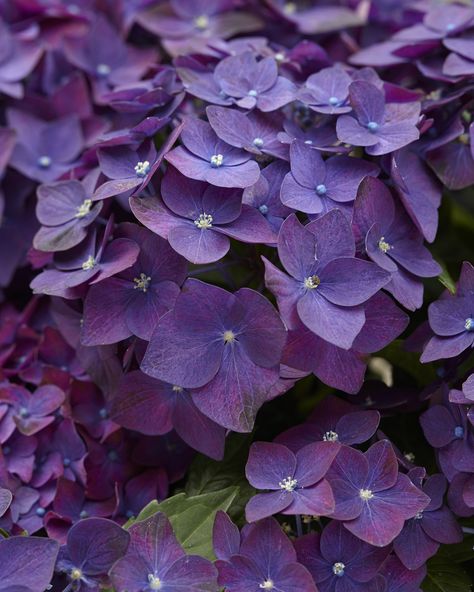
{"x": 256, "y": 133}
{"x": 388, "y": 237}
{"x": 5, "y": 500}
{"x": 379, "y": 127}
{"x": 266, "y": 560}
{"x": 154, "y": 407}
{"x": 198, "y": 219}
{"x": 264, "y": 195}
{"x": 438, "y": 22}
{"x": 139, "y": 491}
{"x": 372, "y": 499}
{"x": 226, "y": 346}
{"x": 327, "y": 91}
{"x": 45, "y": 150}
{"x": 315, "y": 185}
{"x": 65, "y": 210}
{"x": 295, "y": 482}
{"x": 400, "y": 579}
{"x": 328, "y": 284}
{"x": 422, "y": 534}
{"x": 93, "y": 546}
{"x": 19, "y": 455}
{"x": 340, "y": 562}
{"x": 32, "y": 411}
{"x": 131, "y": 302}
{"x": 334, "y": 420}
{"x": 155, "y": 561}
{"x": 446, "y": 427}
{"x": 254, "y": 84}
{"x": 89, "y": 262}
{"x": 205, "y": 157}
{"x": 340, "y": 368}
{"x": 452, "y": 320}
{"x": 26, "y": 563}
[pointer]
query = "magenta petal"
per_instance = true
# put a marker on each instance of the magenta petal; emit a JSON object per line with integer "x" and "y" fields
{"x": 316, "y": 500}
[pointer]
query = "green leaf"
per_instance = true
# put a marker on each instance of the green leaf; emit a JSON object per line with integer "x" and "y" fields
{"x": 207, "y": 475}
{"x": 447, "y": 281}
{"x": 409, "y": 362}
{"x": 192, "y": 517}
{"x": 445, "y": 576}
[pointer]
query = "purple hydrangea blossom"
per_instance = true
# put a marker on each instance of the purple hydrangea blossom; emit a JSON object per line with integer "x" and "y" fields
{"x": 295, "y": 482}
{"x": 205, "y": 157}
{"x": 422, "y": 534}
{"x": 198, "y": 219}
{"x": 327, "y": 91}
{"x": 315, "y": 185}
{"x": 327, "y": 285}
{"x": 400, "y": 579}
{"x": 339, "y": 561}
{"x": 372, "y": 499}
{"x": 93, "y": 546}
{"x": 155, "y": 561}
{"x": 388, "y": 237}
{"x": 379, "y": 127}
{"x": 266, "y": 560}
{"x": 131, "y": 302}
{"x": 226, "y": 346}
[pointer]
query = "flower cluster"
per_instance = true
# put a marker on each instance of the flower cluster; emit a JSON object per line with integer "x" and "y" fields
{"x": 223, "y": 217}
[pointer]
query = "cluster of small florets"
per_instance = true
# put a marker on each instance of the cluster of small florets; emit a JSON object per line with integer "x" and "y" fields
{"x": 204, "y": 226}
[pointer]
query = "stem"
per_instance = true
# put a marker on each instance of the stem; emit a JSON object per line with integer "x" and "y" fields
{"x": 299, "y": 526}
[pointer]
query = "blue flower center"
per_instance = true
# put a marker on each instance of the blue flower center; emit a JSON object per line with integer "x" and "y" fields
{"x": 459, "y": 432}
{"x": 333, "y": 101}
{"x": 338, "y": 569}
{"x": 67, "y": 462}
{"x": 44, "y": 162}
{"x": 321, "y": 189}
{"x": 469, "y": 324}
{"x": 258, "y": 142}
{"x": 40, "y": 512}
{"x": 263, "y": 209}
{"x": 372, "y": 126}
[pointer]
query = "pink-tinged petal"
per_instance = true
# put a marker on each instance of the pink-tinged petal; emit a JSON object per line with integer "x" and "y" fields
{"x": 438, "y": 348}
{"x": 263, "y": 505}
{"x": 225, "y": 537}
{"x": 46, "y": 399}
{"x": 263, "y": 334}
{"x": 238, "y": 390}
{"x": 335, "y": 324}
{"x": 198, "y": 245}
{"x": 316, "y": 500}
{"x": 298, "y": 197}
{"x": 313, "y": 462}
{"x": 349, "y": 282}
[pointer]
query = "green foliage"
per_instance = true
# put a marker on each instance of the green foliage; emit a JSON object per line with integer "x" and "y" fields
{"x": 444, "y": 575}
{"x": 192, "y": 517}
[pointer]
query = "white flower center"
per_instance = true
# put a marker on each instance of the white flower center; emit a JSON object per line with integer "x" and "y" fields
{"x": 279, "y": 57}
{"x": 142, "y": 168}
{"x": 384, "y": 246}
{"x": 258, "y": 142}
{"x": 142, "y": 282}
{"x": 228, "y": 336}
{"x": 309, "y": 142}
{"x": 252, "y": 93}
{"x": 312, "y": 282}
{"x": 469, "y": 324}
{"x": 103, "y": 69}
{"x": 263, "y": 209}
{"x": 204, "y": 221}
{"x": 333, "y": 101}
{"x": 75, "y": 574}
{"x": 217, "y": 160}
{"x": 266, "y": 585}
{"x": 201, "y": 22}
{"x": 44, "y": 161}
{"x": 288, "y": 484}
{"x": 338, "y": 569}
{"x": 331, "y": 436}
{"x": 365, "y": 494}
{"x": 177, "y": 389}
{"x": 84, "y": 208}
{"x": 321, "y": 189}
{"x": 289, "y": 8}
{"x": 418, "y": 516}
{"x": 154, "y": 582}
{"x": 89, "y": 263}
{"x": 372, "y": 126}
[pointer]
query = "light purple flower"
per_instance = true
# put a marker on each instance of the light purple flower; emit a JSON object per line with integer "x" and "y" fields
{"x": 327, "y": 91}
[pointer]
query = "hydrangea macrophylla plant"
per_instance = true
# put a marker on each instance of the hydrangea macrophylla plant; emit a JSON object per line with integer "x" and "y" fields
{"x": 265, "y": 559}
{"x": 388, "y": 237}
{"x": 315, "y": 185}
{"x": 26, "y": 563}
{"x": 225, "y": 346}
{"x": 156, "y": 561}
{"x": 327, "y": 285}
{"x": 136, "y": 297}
{"x": 198, "y": 219}
{"x": 452, "y": 320}
{"x": 93, "y": 546}
{"x": 338, "y": 560}
{"x": 422, "y": 534}
{"x": 295, "y": 481}
{"x": 372, "y": 499}
{"x": 378, "y": 126}
{"x": 205, "y": 157}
